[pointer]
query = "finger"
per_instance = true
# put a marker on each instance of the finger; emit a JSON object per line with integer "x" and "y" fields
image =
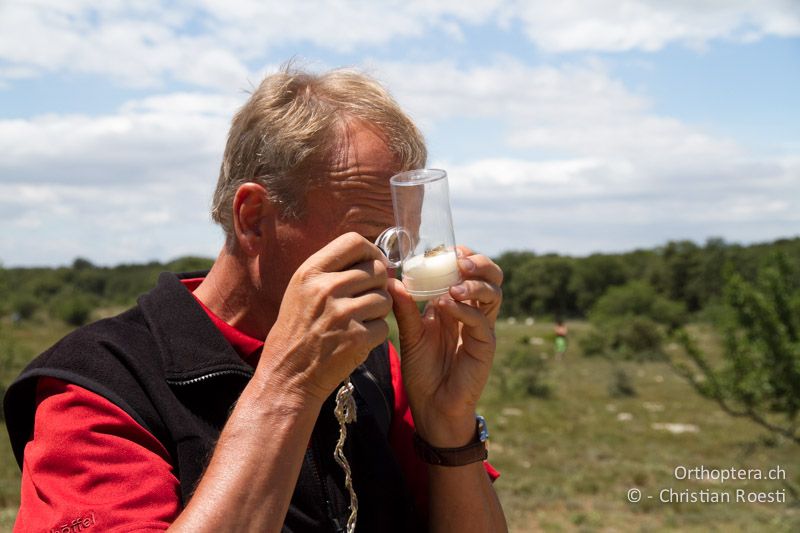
{"x": 372, "y": 305}
{"x": 463, "y": 251}
{"x": 376, "y": 332}
{"x": 343, "y": 252}
{"x": 475, "y": 323}
{"x": 480, "y": 267}
{"x": 488, "y": 296}
{"x": 409, "y": 321}
{"x": 480, "y": 291}
{"x": 359, "y": 278}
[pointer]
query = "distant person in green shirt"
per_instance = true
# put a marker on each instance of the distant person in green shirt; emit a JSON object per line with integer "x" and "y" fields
{"x": 561, "y": 338}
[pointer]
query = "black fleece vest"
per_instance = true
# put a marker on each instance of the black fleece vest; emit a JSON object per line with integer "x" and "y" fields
{"x": 165, "y": 364}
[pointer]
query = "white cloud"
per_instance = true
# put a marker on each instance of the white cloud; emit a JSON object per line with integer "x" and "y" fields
{"x": 107, "y": 223}
{"x": 575, "y": 109}
{"x": 583, "y": 162}
{"x": 140, "y": 44}
{"x": 136, "y": 183}
{"x": 211, "y": 43}
{"x": 618, "y": 25}
{"x": 584, "y": 205}
{"x": 615, "y": 165}
{"x": 128, "y": 186}
{"x": 180, "y": 135}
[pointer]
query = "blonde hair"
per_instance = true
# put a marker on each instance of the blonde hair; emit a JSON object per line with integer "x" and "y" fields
{"x": 288, "y": 131}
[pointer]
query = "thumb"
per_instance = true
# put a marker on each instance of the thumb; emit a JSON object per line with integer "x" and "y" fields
{"x": 405, "y": 310}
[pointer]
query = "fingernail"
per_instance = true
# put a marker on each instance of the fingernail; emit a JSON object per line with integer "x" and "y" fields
{"x": 466, "y": 264}
{"x": 458, "y": 290}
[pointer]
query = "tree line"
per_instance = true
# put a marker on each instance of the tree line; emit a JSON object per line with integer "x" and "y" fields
{"x": 684, "y": 273}
{"x": 639, "y": 303}
{"x": 691, "y": 275}
{"x": 635, "y": 302}
{"x": 72, "y": 293}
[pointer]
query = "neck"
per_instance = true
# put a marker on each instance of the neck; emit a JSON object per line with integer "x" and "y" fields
{"x": 234, "y": 292}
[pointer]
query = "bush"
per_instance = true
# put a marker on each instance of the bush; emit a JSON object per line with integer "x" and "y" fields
{"x": 524, "y": 373}
{"x": 634, "y": 320}
{"x": 714, "y": 313}
{"x": 73, "y": 308}
{"x": 189, "y": 264}
{"x": 668, "y": 312}
{"x": 634, "y": 338}
{"x": 638, "y": 338}
{"x": 46, "y": 285}
{"x": 759, "y": 376}
{"x": 91, "y": 281}
{"x": 24, "y": 307}
{"x": 621, "y": 385}
{"x": 593, "y": 343}
{"x": 81, "y": 263}
{"x": 637, "y": 299}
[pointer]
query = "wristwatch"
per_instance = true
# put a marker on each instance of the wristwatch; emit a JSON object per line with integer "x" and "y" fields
{"x": 471, "y": 453}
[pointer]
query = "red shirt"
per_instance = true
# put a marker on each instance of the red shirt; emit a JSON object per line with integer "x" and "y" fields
{"x": 88, "y": 463}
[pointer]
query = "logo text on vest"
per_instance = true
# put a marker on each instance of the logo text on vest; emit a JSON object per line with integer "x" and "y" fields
{"x": 79, "y": 524}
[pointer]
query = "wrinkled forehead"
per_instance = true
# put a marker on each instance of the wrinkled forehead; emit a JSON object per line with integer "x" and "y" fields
{"x": 362, "y": 146}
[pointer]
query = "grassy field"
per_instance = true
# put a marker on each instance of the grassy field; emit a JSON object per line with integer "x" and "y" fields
{"x": 568, "y": 460}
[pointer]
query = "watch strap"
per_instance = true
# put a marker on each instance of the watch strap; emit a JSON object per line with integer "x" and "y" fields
{"x": 464, "y": 455}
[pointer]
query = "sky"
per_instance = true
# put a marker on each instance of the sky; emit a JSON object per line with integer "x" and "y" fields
{"x": 572, "y": 127}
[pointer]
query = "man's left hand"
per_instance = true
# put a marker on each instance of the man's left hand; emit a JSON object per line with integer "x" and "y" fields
{"x": 447, "y": 351}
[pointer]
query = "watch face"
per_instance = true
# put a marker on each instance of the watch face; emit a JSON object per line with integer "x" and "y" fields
{"x": 483, "y": 431}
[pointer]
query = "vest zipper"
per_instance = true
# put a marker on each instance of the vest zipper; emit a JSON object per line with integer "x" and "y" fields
{"x": 312, "y": 451}
{"x": 229, "y": 372}
{"x": 312, "y": 457}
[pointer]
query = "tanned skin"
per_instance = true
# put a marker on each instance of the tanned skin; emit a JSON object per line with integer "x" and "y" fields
{"x": 318, "y": 291}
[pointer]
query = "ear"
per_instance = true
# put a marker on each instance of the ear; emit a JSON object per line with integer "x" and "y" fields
{"x": 251, "y": 211}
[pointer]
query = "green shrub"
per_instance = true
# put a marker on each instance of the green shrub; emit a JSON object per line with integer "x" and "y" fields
{"x": 91, "y": 281}
{"x": 24, "y": 307}
{"x": 524, "y": 372}
{"x": 634, "y": 320}
{"x": 668, "y": 312}
{"x": 189, "y": 264}
{"x": 73, "y": 308}
{"x": 632, "y": 337}
{"x": 81, "y": 263}
{"x": 593, "y": 343}
{"x": 638, "y": 338}
{"x": 621, "y": 385}
{"x": 715, "y": 313}
{"x": 637, "y": 299}
{"x": 46, "y": 285}
{"x": 759, "y": 376}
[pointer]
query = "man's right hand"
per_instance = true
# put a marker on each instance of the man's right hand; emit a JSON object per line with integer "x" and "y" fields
{"x": 332, "y": 314}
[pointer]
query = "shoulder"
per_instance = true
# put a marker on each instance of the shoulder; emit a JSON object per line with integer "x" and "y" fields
{"x": 115, "y": 336}
{"x": 83, "y": 448}
{"x": 68, "y": 412}
{"x": 107, "y": 350}
{"x": 112, "y": 358}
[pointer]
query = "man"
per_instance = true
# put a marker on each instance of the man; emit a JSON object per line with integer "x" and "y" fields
{"x": 175, "y": 414}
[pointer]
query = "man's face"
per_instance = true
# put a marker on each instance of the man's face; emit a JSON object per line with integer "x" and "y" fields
{"x": 354, "y": 196}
